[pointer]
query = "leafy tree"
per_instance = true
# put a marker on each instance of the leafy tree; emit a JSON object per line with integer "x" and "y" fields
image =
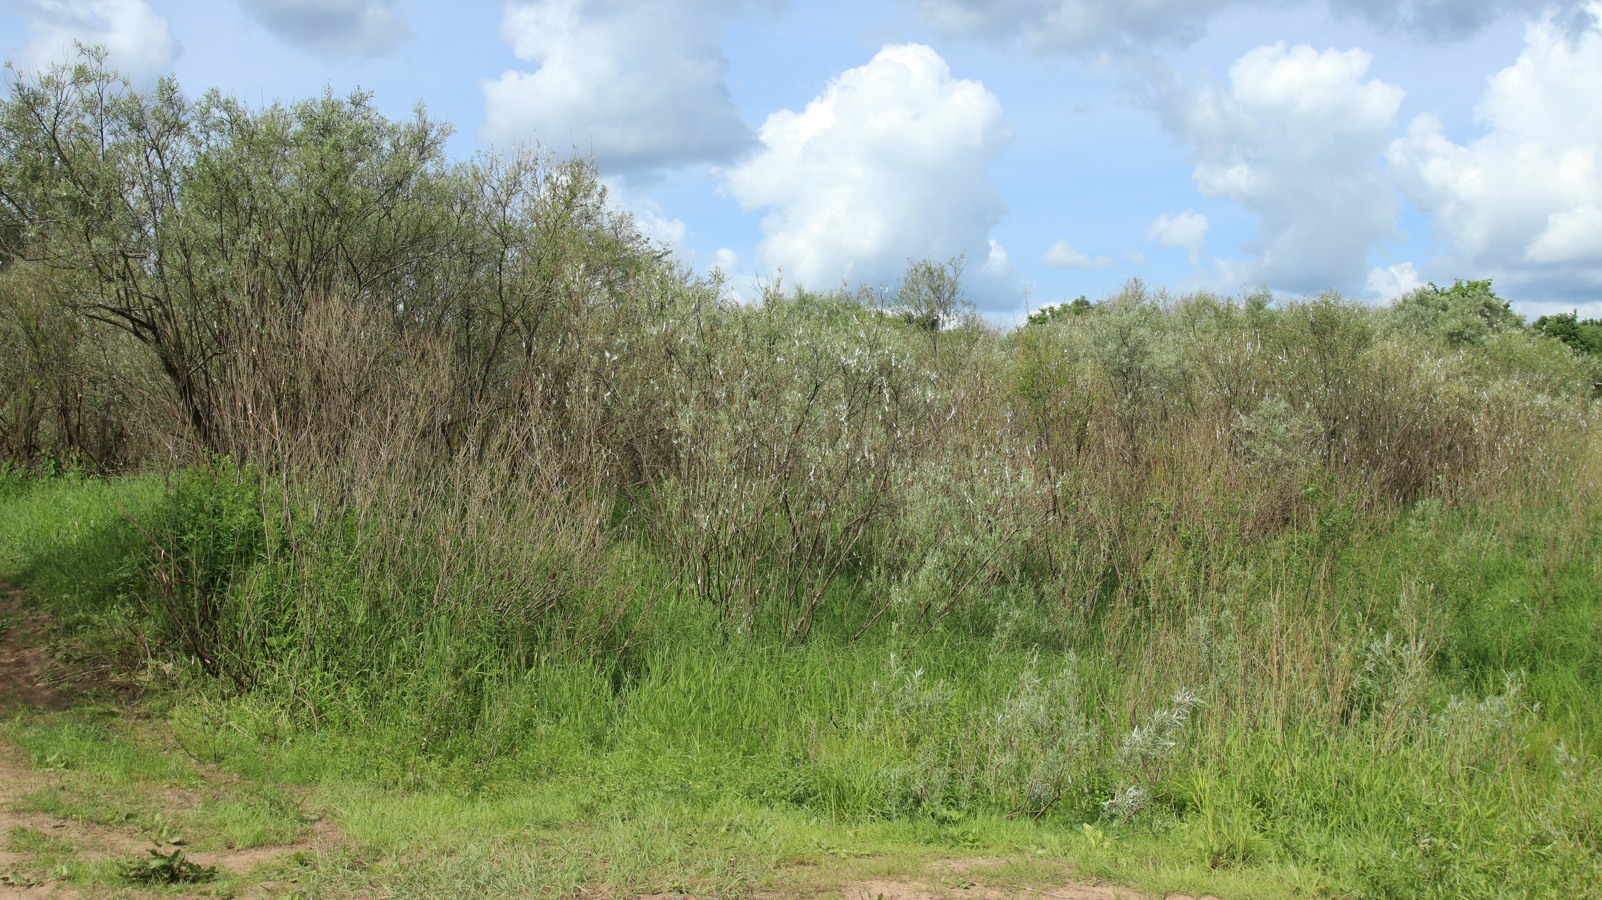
{"x": 1079, "y": 307}
{"x": 91, "y": 174}
{"x": 202, "y": 224}
{"x": 931, "y": 295}
{"x": 1584, "y": 335}
{"x": 205, "y": 227}
{"x": 207, "y": 230}
{"x": 1465, "y": 313}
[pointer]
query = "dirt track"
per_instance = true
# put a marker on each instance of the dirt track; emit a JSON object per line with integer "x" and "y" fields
{"x": 27, "y": 681}
{"x": 23, "y": 662}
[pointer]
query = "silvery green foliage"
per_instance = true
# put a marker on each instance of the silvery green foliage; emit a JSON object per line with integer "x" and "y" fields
{"x": 1466, "y": 313}
{"x": 906, "y": 707}
{"x": 931, "y": 297}
{"x": 1143, "y": 751}
{"x": 1492, "y": 713}
{"x": 1212, "y": 649}
{"x": 1145, "y": 746}
{"x": 957, "y": 533}
{"x": 1040, "y": 741}
{"x": 1567, "y": 762}
{"x": 904, "y": 697}
{"x": 1036, "y": 746}
{"x": 1279, "y": 440}
{"x": 1391, "y": 677}
{"x": 1133, "y": 345}
{"x": 1488, "y": 732}
{"x": 1127, "y": 802}
{"x": 786, "y": 439}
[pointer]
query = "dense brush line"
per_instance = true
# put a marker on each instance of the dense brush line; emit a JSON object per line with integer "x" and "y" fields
{"x": 455, "y": 458}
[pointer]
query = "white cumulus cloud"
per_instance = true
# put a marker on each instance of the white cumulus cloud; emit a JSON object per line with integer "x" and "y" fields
{"x": 1297, "y": 139}
{"x": 1523, "y": 200}
{"x": 1062, "y": 255}
{"x": 887, "y": 163}
{"x": 649, "y": 217}
{"x": 638, "y": 84}
{"x": 139, "y": 43}
{"x": 1187, "y": 229}
{"x": 1132, "y": 27}
{"x": 333, "y": 29}
{"x": 1393, "y": 281}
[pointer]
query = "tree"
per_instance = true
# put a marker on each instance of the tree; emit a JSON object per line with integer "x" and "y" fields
{"x": 1584, "y": 335}
{"x": 204, "y": 226}
{"x": 1462, "y": 314}
{"x": 1079, "y": 307}
{"x": 931, "y": 295}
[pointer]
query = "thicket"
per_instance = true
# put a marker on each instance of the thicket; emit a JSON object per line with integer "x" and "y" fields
{"x": 461, "y": 464}
{"x": 1584, "y": 335}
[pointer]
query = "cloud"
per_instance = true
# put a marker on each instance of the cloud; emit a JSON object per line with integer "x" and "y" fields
{"x": 1130, "y": 28}
{"x": 1440, "y": 19}
{"x": 1187, "y": 229}
{"x": 333, "y": 29}
{"x": 1063, "y": 256}
{"x": 139, "y": 43}
{"x": 638, "y": 84}
{"x": 1524, "y": 199}
{"x": 1393, "y": 281}
{"x": 1075, "y": 26}
{"x": 997, "y": 266}
{"x": 887, "y": 163}
{"x": 739, "y": 284}
{"x": 1297, "y": 139}
{"x": 650, "y": 218}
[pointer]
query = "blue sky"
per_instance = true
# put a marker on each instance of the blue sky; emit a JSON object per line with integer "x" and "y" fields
{"x": 1062, "y": 146}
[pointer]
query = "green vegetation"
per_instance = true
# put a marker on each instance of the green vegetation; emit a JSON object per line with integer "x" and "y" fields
{"x": 165, "y": 868}
{"x": 1584, "y": 335}
{"x": 540, "y": 566}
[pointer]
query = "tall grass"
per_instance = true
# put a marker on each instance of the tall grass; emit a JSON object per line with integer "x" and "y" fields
{"x": 1291, "y": 584}
{"x": 454, "y": 479}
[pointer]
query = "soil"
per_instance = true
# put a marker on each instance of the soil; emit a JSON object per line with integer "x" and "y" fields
{"x": 28, "y": 680}
{"x": 24, "y": 663}
{"x": 981, "y": 878}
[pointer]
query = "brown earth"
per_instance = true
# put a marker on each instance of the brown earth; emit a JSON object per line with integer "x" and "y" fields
{"x": 977, "y": 878}
{"x": 29, "y": 682}
{"x": 23, "y": 662}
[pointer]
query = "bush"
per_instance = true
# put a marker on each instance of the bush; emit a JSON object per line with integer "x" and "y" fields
{"x": 1465, "y": 313}
{"x": 209, "y": 536}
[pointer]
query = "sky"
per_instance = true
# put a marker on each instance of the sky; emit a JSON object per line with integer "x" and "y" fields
{"x": 1060, "y": 147}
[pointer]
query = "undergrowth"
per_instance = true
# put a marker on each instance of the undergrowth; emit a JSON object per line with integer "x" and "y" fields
{"x": 440, "y": 484}
{"x": 1413, "y": 749}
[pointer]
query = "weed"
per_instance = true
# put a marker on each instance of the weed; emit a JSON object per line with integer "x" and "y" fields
{"x": 168, "y": 867}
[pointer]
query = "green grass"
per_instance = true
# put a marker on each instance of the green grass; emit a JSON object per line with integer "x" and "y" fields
{"x": 697, "y": 764}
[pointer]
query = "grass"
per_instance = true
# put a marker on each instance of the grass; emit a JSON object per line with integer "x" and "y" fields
{"x": 1068, "y": 601}
{"x": 534, "y": 565}
{"x": 726, "y": 768}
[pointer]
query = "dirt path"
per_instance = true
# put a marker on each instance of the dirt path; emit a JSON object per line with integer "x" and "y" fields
{"x": 975, "y": 879}
{"x": 23, "y": 662}
{"x": 31, "y": 842}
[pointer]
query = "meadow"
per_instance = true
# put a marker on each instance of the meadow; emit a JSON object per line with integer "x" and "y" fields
{"x": 433, "y": 497}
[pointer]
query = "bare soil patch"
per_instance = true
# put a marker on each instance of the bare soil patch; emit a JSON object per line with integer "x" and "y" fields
{"x": 24, "y": 664}
{"x": 970, "y": 878}
{"x": 972, "y": 890}
{"x": 26, "y": 685}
